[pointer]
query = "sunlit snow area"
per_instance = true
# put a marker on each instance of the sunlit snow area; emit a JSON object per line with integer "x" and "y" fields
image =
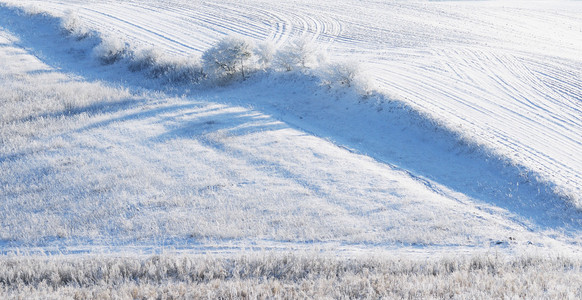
{"x": 425, "y": 139}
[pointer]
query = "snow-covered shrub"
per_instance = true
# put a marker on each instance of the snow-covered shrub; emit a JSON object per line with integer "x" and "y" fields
{"x": 229, "y": 57}
{"x": 344, "y": 74}
{"x": 144, "y": 59}
{"x": 265, "y": 53}
{"x": 173, "y": 69}
{"x": 73, "y": 26}
{"x": 32, "y": 10}
{"x": 347, "y": 74}
{"x": 188, "y": 70}
{"x": 298, "y": 54}
{"x": 110, "y": 50}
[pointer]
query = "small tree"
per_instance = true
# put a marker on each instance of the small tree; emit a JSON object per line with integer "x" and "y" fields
{"x": 110, "y": 50}
{"x": 265, "y": 53}
{"x": 298, "y": 54}
{"x": 72, "y": 25}
{"x": 345, "y": 74}
{"x": 227, "y": 58}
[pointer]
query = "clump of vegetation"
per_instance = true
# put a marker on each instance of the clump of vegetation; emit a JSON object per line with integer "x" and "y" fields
{"x": 72, "y": 25}
{"x": 297, "y": 55}
{"x": 110, "y": 50}
{"x": 230, "y": 57}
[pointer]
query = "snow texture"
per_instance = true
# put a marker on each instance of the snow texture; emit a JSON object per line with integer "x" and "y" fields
{"x": 411, "y": 127}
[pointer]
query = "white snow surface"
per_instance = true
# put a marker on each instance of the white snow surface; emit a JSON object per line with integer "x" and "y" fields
{"x": 279, "y": 162}
{"x": 505, "y": 73}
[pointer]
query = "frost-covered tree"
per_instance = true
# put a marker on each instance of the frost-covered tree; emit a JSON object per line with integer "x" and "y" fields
{"x": 265, "y": 53}
{"x": 229, "y": 57}
{"x": 344, "y": 74}
{"x": 72, "y": 25}
{"x": 110, "y": 50}
{"x": 298, "y": 54}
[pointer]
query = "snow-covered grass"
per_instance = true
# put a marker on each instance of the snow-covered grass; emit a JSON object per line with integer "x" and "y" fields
{"x": 109, "y": 145}
{"x": 289, "y": 276}
{"x": 87, "y": 165}
{"x": 36, "y": 98}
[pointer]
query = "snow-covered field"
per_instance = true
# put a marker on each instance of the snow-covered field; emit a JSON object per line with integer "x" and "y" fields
{"x": 506, "y": 74}
{"x": 465, "y": 137}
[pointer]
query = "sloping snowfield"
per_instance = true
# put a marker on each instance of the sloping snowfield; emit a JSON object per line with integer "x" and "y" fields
{"x": 471, "y": 142}
{"x": 506, "y": 74}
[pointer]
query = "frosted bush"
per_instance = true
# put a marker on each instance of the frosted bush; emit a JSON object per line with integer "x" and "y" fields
{"x": 229, "y": 57}
{"x": 32, "y": 10}
{"x": 346, "y": 74}
{"x": 144, "y": 59}
{"x": 171, "y": 69}
{"x": 298, "y": 54}
{"x": 265, "y": 53}
{"x": 110, "y": 50}
{"x": 174, "y": 70}
{"x": 73, "y": 26}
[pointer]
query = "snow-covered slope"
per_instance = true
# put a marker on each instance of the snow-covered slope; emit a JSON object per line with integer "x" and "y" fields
{"x": 278, "y": 161}
{"x": 506, "y": 74}
{"x": 86, "y": 167}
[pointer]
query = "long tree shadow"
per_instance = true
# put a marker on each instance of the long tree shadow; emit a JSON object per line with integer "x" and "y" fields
{"x": 109, "y": 107}
{"x": 227, "y": 123}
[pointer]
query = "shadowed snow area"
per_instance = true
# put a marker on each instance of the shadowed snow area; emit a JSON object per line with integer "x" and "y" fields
{"x": 98, "y": 158}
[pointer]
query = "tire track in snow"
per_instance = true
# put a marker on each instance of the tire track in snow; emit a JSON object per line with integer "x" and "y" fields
{"x": 165, "y": 38}
{"x": 531, "y": 105}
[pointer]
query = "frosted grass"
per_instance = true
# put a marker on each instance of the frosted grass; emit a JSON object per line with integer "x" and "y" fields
{"x": 289, "y": 276}
{"x": 88, "y": 165}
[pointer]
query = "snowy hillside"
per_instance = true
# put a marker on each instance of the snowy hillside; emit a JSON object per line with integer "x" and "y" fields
{"x": 506, "y": 74}
{"x": 510, "y": 88}
{"x": 460, "y": 135}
